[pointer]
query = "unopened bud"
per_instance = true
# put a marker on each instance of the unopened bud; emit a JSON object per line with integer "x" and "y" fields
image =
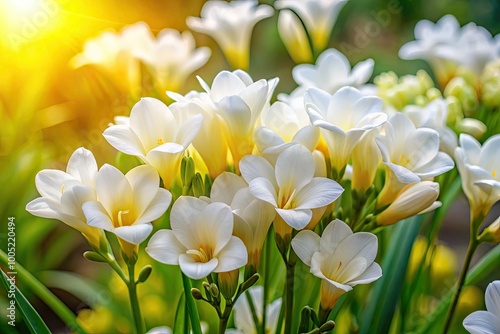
{"x": 197, "y": 294}
{"x": 327, "y": 326}
{"x": 250, "y": 282}
{"x": 491, "y": 233}
{"x": 228, "y": 283}
{"x": 144, "y": 274}
{"x": 472, "y": 126}
{"x": 93, "y": 256}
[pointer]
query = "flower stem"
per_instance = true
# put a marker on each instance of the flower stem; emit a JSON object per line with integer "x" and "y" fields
{"x": 267, "y": 271}
{"x": 289, "y": 287}
{"x": 473, "y": 243}
{"x": 134, "y": 300}
{"x": 192, "y": 309}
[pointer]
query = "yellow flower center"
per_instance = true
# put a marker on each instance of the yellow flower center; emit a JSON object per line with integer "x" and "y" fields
{"x": 159, "y": 141}
{"x": 287, "y": 200}
{"x": 200, "y": 255}
{"x": 494, "y": 173}
{"x": 403, "y": 160}
{"x": 120, "y": 213}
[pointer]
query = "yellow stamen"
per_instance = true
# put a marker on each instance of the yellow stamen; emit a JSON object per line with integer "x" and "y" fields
{"x": 120, "y": 213}
{"x": 403, "y": 160}
{"x": 159, "y": 141}
{"x": 62, "y": 189}
{"x": 201, "y": 254}
{"x": 338, "y": 267}
{"x": 494, "y": 173}
{"x": 289, "y": 202}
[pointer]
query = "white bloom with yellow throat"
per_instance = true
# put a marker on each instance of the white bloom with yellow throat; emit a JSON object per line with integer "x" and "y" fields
{"x": 410, "y": 155}
{"x": 344, "y": 118}
{"x": 479, "y": 168}
{"x": 172, "y": 57}
{"x": 200, "y": 241}
{"x": 294, "y": 37}
{"x": 156, "y": 136}
{"x": 127, "y": 204}
{"x": 341, "y": 258}
{"x": 252, "y": 216}
{"x": 239, "y": 101}
{"x": 63, "y": 193}
{"x": 319, "y": 17}
{"x": 486, "y": 322}
{"x": 290, "y": 187}
{"x": 230, "y": 24}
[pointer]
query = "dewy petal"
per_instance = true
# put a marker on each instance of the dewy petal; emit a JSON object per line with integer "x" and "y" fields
{"x": 196, "y": 270}
{"x": 135, "y": 234}
{"x": 482, "y": 322}
{"x": 122, "y": 138}
{"x": 492, "y": 298}
{"x": 252, "y": 167}
{"x": 318, "y": 193}
{"x": 294, "y": 168}
{"x": 305, "y": 244}
{"x": 263, "y": 189}
{"x": 333, "y": 235}
{"x": 165, "y": 248}
{"x": 97, "y": 216}
{"x": 82, "y": 166}
{"x": 298, "y": 219}
{"x": 156, "y": 207}
{"x": 184, "y": 218}
{"x": 232, "y": 256}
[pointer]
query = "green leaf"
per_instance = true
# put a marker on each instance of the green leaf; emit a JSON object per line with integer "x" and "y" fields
{"x": 31, "y": 317}
{"x": 386, "y": 291}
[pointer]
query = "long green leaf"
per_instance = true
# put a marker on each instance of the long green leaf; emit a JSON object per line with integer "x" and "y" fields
{"x": 31, "y": 317}
{"x": 45, "y": 295}
{"x": 386, "y": 291}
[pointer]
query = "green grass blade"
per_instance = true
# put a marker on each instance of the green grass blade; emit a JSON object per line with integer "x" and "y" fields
{"x": 31, "y": 317}
{"x": 387, "y": 290}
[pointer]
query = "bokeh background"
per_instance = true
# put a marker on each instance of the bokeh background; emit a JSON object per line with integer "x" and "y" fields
{"x": 48, "y": 109}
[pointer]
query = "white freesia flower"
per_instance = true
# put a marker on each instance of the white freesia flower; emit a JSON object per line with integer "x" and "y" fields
{"x": 434, "y": 116}
{"x": 172, "y": 57}
{"x": 294, "y": 37}
{"x": 332, "y": 71}
{"x": 479, "y": 168}
{"x": 200, "y": 240}
{"x": 230, "y": 24}
{"x": 290, "y": 187}
{"x": 155, "y": 136}
{"x": 282, "y": 127}
{"x": 341, "y": 258}
{"x": 410, "y": 155}
{"x": 239, "y": 101}
{"x": 414, "y": 199}
{"x": 252, "y": 216}
{"x": 319, "y": 17}
{"x": 486, "y": 322}
{"x": 127, "y": 204}
{"x": 343, "y": 118}
{"x": 63, "y": 193}
{"x": 243, "y": 315}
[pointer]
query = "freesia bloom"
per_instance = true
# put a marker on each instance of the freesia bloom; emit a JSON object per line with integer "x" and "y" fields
{"x": 252, "y": 216}
{"x": 239, "y": 101}
{"x": 172, "y": 57}
{"x": 127, "y": 204}
{"x": 319, "y": 17}
{"x": 479, "y": 168}
{"x": 341, "y": 258}
{"x": 343, "y": 118}
{"x": 200, "y": 240}
{"x": 230, "y": 24}
{"x": 243, "y": 315}
{"x": 415, "y": 198}
{"x": 410, "y": 155}
{"x": 294, "y": 37}
{"x": 63, "y": 193}
{"x": 154, "y": 135}
{"x": 486, "y": 322}
{"x": 290, "y": 187}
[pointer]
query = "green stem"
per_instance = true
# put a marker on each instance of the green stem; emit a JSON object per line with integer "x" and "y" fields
{"x": 193, "y": 310}
{"x": 267, "y": 271}
{"x": 473, "y": 243}
{"x": 134, "y": 301}
{"x": 289, "y": 287}
{"x": 56, "y": 305}
{"x": 255, "y": 317}
{"x": 222, "y": 325}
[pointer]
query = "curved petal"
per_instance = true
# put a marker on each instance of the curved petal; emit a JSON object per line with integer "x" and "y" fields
{"x": 333, "y": 235}
{"x": 165, "y": 248}
{"x": 225, "y": 186}
{"x": 298, "y": 219}
{"x": 196, "y": 270}
{"x": 318, "y": 193}
{"x": 184, "y": 216}
{"x": 82, "y": 166}
{"x": 232, "y": 256}
{"x": 135, "y": 234}
{"x": 145, "y": 183}
{"x": 156, "y": 207}
{"x": 294, "y": 168}
{"x": 113, "y": 189}
{"x": 372, "y": 273}
{"x": 305, "y": 244}
{"x": 189, "y": 130}
{"x": 124, "y": 139}
{"x": 50, "y": 182}
{"x": 215, "y": 226}
{"x": 492, "y": 298}
{"x": 263, "y": 189}
{"x": 252, "y": 166}
{"x": 482, "y": 322}
{"x": 97, "y": 216}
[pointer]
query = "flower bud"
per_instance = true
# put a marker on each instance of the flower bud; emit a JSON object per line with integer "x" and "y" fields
{"x": 464, "y": 92}
{"x": 412, "y": 200}
{"x": 492, "y": 232}
{"x": 228, "y": 283}
{"x": 472, "y": 126}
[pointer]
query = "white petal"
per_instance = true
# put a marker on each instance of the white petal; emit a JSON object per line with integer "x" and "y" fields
{"x": 189, "y": 130}
{"x": 440, "y": 164}
{"x": 333, "y": 235}
{"x": 82, "y": 166}
{"x": 196, "y": 270}
{"x": 482, "y": 322}
{"x": 305, "y": 244}
{"x": 252, "y": 166}
{"x": 124, "y": 140}
{"x": 298, "y": 219}
{"x": 403, "y": 174}
{"x": 318, "y": 193}
{"x": 97, "y": 216}
{"x": 232, "y": 256}
{"x": 294, "y": 168}
{"x": 165, "y": 248}
{"x": 135, "y": 234}
{"x": 113, "y": 189}
{"x": 49, "y": 208}
{"x": 263, "y": 189}
{"x": 156, "y": 207}
{"x": 236, "y": 113}
{"x": 361, "y": 244}
{"x": 215, "y": 226}
{"x": 372, "y": 273}
{"x": 184, "y": 217}
{"x": 145, "y": 183}
{"x": 225, "y": 186}
{"x": 492, "y": 298}
{"x": 49, "y": 182}
{"x": 225, "y": 84}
